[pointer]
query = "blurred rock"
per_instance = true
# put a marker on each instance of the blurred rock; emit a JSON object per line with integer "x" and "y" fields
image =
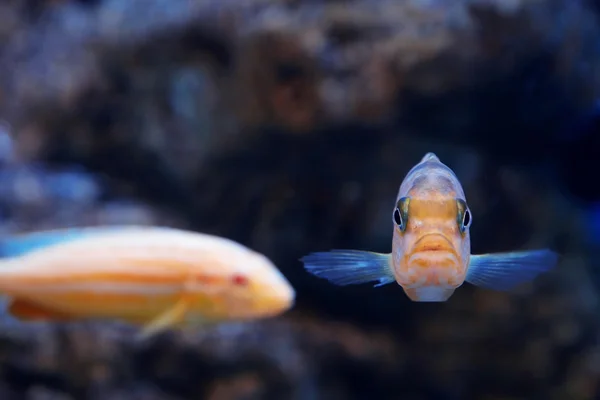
{"x": 278, "y": 82}
{"x": 344, "y": 60}
{"x": 462, "y": 356}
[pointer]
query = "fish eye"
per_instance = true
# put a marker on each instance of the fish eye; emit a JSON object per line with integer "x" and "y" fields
{"x": 467, "y": 218}
{"x": 463, "y": 217}
{"x": 397, "y": 218}
{"x": 401, "y": 213}
{"x": 239, "y": 280}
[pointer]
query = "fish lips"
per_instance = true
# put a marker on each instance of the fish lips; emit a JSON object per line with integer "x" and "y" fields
{"x": 434, "y": 261}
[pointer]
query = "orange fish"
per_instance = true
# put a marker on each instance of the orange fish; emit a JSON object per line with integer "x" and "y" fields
{"x": 431, "y": 246}
{"x": 150, "y": 276}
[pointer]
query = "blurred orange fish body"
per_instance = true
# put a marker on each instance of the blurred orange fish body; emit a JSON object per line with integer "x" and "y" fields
{"x": 151, "y": 276}
{"x": 431, "y": 245}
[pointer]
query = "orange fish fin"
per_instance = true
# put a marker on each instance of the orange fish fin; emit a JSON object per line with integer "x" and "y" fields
{"x": 28, "y": 311}
{"x": 172, "y": 317}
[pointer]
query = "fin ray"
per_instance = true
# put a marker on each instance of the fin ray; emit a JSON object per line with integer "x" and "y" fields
{"x": 503, "y": 271}
{"x": 350, "y": 267}
{"x": 172, "y": 317}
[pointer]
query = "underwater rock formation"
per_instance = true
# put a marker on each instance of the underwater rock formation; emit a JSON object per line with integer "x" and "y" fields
{"x": 181, "y": 68}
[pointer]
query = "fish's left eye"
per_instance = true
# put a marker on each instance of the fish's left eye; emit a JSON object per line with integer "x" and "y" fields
{"x": 463, "y": 218}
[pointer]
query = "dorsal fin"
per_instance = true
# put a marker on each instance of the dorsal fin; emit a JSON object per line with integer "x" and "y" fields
{"x": 20, "y": 244}
{"x": 430, "y": 157}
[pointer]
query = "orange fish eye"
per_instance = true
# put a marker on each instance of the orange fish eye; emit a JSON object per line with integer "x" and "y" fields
{"x": 239, "y": 280}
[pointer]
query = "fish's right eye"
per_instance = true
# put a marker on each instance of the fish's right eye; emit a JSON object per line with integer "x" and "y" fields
{"x": 401, "y": 213}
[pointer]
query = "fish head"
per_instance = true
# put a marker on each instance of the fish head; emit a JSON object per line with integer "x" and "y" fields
{"x": 431, "y": 240}
{"x": 268, "y": 292}
{"x": 252, "y": 288}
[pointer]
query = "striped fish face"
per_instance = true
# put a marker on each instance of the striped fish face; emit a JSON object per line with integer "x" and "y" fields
{"x": 431, "y": 243}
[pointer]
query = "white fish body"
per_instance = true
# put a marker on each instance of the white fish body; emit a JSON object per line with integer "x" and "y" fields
{"x": 154, "y": 276}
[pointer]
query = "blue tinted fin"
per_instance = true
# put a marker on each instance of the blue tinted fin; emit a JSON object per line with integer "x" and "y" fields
{"x": 503, "y": 271}
{"x": 350, "y": 267}
{"x": 20, "y": 244}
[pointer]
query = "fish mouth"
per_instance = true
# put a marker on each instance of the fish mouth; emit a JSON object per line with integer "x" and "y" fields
{"x": 433, "y": 242}
{"x": 280, "y": 300}
{"x": 433, "y": 262}
{"x": 273, "y": 300}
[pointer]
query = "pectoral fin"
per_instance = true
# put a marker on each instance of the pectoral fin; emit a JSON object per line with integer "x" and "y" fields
{"x": 174, "y": 316}
{"x": 27, "y": 311}
{"x": 350, "y": 267}
{"x": 503, "y": 271}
